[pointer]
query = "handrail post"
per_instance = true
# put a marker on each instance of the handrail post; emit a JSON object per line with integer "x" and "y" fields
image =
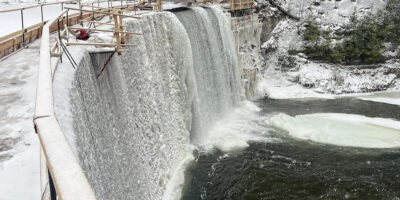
{"x": 53, "y": 192}
{"x": 41, "y": 12}
{"x": 23, "y": 27}
{"x": 67, "y": 19}
{"x": 59, "y": 38}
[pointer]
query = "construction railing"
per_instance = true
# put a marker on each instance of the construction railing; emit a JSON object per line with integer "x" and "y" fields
{"x": 241, "y": 4}
{"x": 14, "y": 41}
{"x": 65, "y": 176}
{"x": 246, "y": 21}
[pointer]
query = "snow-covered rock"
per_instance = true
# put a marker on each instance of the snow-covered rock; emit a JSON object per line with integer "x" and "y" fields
{"x": 292, "y": 76}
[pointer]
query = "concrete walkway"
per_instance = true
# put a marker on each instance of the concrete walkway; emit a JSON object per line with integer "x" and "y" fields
{"x": 19, "y": 145}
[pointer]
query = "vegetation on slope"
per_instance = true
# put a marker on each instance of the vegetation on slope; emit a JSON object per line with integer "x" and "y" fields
{"x": 362, "y": 41}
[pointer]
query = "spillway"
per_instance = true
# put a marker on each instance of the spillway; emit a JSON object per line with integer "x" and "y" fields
{"x": 215, "y": 67}
{"x": 134, "y": 126}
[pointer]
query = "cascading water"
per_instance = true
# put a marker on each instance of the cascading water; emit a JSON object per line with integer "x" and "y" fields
{"x": 134, "y": 125}
{"x": 215, "y": 67}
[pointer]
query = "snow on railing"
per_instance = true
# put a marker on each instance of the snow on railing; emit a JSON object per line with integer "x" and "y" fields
{"x": 66, "y": 178}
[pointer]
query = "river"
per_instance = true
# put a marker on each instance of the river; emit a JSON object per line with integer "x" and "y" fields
{"x": 289, "y": 167}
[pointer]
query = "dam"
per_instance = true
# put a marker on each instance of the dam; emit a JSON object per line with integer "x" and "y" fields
{"x": 133, "y": 121}
{"x": 139, "y": 117}
{"x": 169, "y": 104}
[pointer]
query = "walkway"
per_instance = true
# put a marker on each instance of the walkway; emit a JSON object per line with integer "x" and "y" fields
{"x": 19, "y": 145}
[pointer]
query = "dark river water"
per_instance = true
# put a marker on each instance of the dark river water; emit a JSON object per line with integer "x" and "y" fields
{"x": 298, "y": 169}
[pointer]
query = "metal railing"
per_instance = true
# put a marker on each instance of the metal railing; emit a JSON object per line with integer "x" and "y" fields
{"x": 11, "y": 42}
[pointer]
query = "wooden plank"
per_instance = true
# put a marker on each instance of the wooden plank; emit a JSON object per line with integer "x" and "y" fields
{"x": 116, "y": 33}
{"x": 21, "y": 31}
{"x": 100, "y": 8}
{"x": 16, "y": 38}
{"x": 120, "y": 27}
{"x": 96, "y": 22}
{"x": 98, "y": 44}
{"x": 102, "y": 30}
{"x": 106, "y": 13}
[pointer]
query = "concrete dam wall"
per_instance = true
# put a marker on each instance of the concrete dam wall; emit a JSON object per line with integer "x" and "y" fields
{"x": 136, "y": 125}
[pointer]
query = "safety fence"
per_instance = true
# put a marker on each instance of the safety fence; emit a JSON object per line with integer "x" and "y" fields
{"x": 14, "y": 41}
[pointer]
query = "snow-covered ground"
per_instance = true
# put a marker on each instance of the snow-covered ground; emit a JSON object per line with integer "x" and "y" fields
{"x": 11, "y": 21}
{"x": 19, "y": 144}
{"x": 285, "y": 76}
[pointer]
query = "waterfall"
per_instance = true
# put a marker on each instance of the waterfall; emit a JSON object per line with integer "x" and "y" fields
{"x": 135, "y": 125}
{"x": 215, "y": 67}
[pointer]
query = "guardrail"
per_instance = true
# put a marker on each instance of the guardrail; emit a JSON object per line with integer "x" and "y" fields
{"x": 238, "y": 23}
{"x": 61, "y": 174}
{"x": 241, "y": 4}
{"x": 66, "y": 177}
{"x": 14, "y": 41}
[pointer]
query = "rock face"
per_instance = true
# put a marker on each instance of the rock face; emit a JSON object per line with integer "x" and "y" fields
{"x": 297, "y": 76}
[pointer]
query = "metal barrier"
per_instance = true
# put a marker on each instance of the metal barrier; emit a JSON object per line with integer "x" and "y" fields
{"x": 12, "y": 42}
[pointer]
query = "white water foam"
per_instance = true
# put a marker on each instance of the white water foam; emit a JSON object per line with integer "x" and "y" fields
{"x": 234, "y": 131}
{"x": 175, "y": 185}
{"x": 341, "y": 129}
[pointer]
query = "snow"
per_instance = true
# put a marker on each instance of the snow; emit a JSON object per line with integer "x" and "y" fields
{"x": 31, "y": 16}
{"x": 340, "y": 129}
{"x": 170, "y": 5}
{"x": 20, "y": 175}
{"x": 327, "y": 12}
{"x": 19, "y": 171}
{"x": 284, "y": 76}
{"x": 383, "y": 97}
{"x": 62, "y": 85}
